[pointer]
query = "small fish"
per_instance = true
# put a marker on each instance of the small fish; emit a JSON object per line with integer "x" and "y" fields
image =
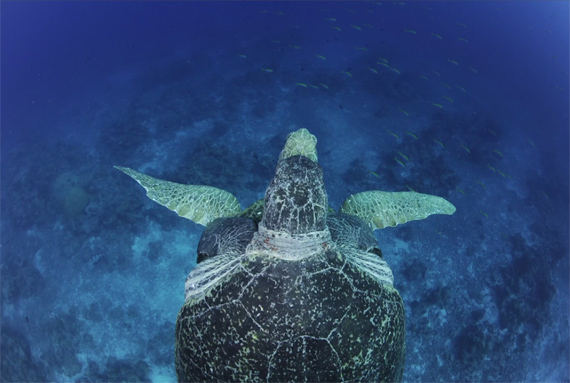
{"x": 544, "y": 194}
{"x": 492, "y": 132}
{"x": 481, "y": 183}
{"x": 267, "y": 70}
{"x": 361, "y": 48}
{"x": 394, "y": 134}
{"x": 321, "y": 57}
{"x": 373, "y": 70}
{"x": 462, "y": 39}
{"x": 399, "y": 3}
{"x": 356, "y": 27}
{"x": 492, "y": 168}
{"x": 403, "y": 111}
{"x": 485, "y": 214}
{"x": 346, "y": 73}
{"x": 368, "y": 25}
{"x": 314, "y": 86}
{"x": 436, "y": 36}
{"x": 448, "y": 99}
{"x": 295, "y": 46}
{"x": 462, "y": 25}
{"x": 324, "y": 85}
{"x": 374, "y": 174}
{"x": 302, "y": 84}
{"x": 558, "y": 87}
{"x": 440, "y": 233}
{"x": 438, "y": 142}
{"x": 243, "y": 56}
{"x": 437, "y": 73}
{"x": 264, "y": 11}
{"x": 395, "y": 70}
{"x": 351, "y": 11}
{"x": 411, "y": 189}
{"x": 466, "y": 149}
{"x": 424, "y": 77}
{"x": 499, "y": 153}
{"x": 410, "y": 31}
{"x": 445, "y": 85}
{"x": 460, "y": 191}
{"x": 383, "y": 59}
{"x": 438, "y": 105}
{"x": 384, "y": 65}
{"x": 501, "y": 173}
{"x": 412, "y": 134}
{"x": 276, "y": 41}
{"x": 330, "y": 19}
{"x": 400, "y": 162}
{"x": 452, "y": 61}
{"x": 473, "y": 70}
{"x": 279, "y": 13}
{"x": 403, "y": 155}
{"x": 461, "y": 89}
{"x": 337, "y": 28}
{"x": 531, "y": 143}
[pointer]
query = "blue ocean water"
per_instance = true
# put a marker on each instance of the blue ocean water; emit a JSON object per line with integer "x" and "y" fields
{"x": 468, "y": 101}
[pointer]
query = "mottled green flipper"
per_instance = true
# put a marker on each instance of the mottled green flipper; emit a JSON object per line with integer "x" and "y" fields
{"x": 198, "y": 203}
{"x": 381, "y": 209}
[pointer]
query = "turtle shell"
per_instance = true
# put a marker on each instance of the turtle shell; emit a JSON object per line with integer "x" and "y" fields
{"x": 322, "y": 318}
{"x": 307, "y": 300}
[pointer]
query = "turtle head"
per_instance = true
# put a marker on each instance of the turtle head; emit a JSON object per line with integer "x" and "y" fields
{"x": 300, "y": 143}
{"x": 296, "y": 200}
{"x": 295, "y": 208}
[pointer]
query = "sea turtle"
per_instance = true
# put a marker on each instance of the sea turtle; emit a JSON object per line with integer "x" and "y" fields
{"x": 288, "y": 289}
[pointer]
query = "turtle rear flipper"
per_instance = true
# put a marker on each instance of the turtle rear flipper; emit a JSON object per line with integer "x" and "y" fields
{"x": 199, "y": 203}
{"x": 381, "y": 209}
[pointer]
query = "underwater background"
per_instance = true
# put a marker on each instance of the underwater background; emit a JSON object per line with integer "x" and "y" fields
{"x": 468, "y": 101}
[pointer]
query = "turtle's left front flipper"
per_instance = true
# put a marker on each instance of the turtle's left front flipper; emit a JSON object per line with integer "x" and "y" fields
{"x": 199, "y": 203}
{"x": 381, "y": 209}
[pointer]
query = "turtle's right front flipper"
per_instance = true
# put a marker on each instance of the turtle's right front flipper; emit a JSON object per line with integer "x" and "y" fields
{"x": 381, "y": 209}
{"x": 199, "y": 203}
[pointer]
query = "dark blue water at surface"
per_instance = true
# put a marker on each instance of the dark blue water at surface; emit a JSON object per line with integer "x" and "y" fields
{"x": 468, "y": 101}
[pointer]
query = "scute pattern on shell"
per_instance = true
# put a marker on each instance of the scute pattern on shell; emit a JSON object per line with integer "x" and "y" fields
{"x": 319, "y": 319}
